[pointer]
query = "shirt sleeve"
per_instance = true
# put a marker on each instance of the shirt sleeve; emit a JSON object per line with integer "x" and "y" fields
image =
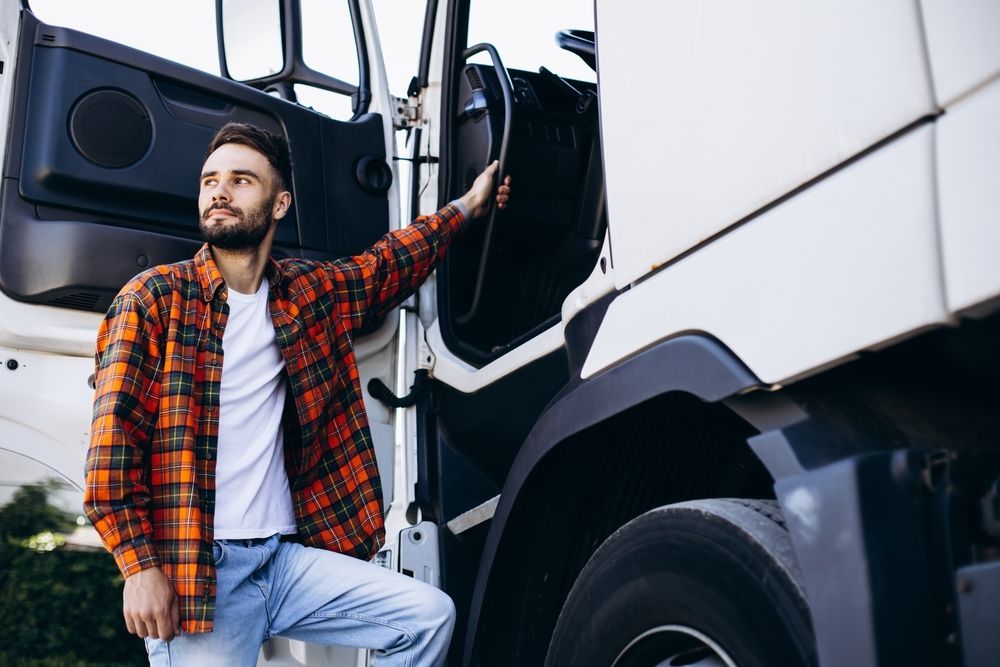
{"x": 116, "y": 497}
{"x": 371, "y": 284}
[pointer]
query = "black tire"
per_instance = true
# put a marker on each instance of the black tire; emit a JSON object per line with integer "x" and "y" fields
{"x": 712, "y": 580}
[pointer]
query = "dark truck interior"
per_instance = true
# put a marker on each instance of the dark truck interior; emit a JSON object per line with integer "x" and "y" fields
{"x": 101, "y": 175}
{"x": 506, "y": 277}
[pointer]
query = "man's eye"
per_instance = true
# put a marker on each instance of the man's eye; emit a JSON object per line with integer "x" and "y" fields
{"x": 242, "y": 181}
{"x": 208, "y": 182}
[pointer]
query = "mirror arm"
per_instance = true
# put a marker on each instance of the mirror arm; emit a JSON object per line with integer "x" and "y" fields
{"x": 307, "y": 76}
{"x": 291, "y": 35}
{"x": 220, "y": 41}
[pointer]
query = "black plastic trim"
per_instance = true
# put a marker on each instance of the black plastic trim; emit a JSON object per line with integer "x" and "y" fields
{"x": 426, "y": 44}
{"x": 858, "y": 532}
{"x": 581, "y": 331}
{"x": 693, "y": 364}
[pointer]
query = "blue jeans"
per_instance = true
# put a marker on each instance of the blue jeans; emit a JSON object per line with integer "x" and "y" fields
{"x": 269, "y": 588}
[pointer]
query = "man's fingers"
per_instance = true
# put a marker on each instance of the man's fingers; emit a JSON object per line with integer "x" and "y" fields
{"x": 165, "y": 627}
{"x": 503, "y": 193}
{"x": 150, "y": 605}
{"x": 175, "y": 616}
{"x": 491, "y": 171}
{"x": 140, "y": 627}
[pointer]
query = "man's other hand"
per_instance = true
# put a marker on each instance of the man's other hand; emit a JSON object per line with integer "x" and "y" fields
{"x": 150, "y": 605}
{"x": 478, "y": 197}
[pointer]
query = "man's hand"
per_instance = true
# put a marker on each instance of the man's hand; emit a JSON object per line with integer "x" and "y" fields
{"x": 150, "y": 605}
{"x": 478, "y": 197}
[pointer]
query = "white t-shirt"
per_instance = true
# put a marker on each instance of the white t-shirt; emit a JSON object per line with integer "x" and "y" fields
{"x": 252, "y": 498}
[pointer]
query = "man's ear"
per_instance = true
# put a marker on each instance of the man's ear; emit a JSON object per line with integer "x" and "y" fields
{"x": 281, "y": 205}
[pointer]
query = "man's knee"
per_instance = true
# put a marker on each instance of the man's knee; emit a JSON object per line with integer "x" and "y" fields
{"x": 446, "y": 608}
{"x": 436, "y": 609}
{"x": 440, "y": 606}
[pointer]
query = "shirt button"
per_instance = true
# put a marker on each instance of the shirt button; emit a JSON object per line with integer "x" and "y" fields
{"x": 210, "y": 408}
{"x": 208, "y": 456}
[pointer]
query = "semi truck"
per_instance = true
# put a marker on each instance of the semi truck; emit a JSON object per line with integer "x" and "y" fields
{"x": 719, "y": 387}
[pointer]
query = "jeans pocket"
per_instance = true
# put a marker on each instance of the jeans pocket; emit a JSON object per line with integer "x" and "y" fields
{"x": 218, "y": 553}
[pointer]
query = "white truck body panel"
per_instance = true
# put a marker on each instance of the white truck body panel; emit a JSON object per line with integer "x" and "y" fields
{"x": 848, "y": 264}
{"x": 968, "y": 149}
{"x": 46, "y": 409}
{"x": 962, "y": 45}
{"x": 466, "y": 378}
{"x": 47, "y": 328}
{"x": 712, "y": 110}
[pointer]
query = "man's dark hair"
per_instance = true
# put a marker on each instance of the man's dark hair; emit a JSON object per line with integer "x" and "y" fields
{"x": 273, "y": 146}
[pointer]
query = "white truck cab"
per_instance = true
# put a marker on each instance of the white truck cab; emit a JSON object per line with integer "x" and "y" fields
{"x": 719, "y": 387}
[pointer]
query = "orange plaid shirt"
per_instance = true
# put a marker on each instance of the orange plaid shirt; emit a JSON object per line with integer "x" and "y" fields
{"x": 150, "y": 489}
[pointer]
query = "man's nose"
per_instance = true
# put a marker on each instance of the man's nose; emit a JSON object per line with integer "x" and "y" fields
{"x": 220, "y": 192}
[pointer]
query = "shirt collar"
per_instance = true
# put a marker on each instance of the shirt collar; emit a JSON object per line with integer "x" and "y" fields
{"x": 210, "y": 278}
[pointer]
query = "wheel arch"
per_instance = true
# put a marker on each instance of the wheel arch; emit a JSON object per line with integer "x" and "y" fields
{"x": 689, "y": 373}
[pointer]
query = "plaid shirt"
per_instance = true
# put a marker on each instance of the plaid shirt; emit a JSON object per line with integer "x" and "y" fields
{"x": 150, "y": 488}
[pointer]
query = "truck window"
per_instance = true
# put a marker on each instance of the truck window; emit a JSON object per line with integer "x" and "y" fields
{"x": 184, "y": 33}
{"x": 328, "y": 46}
{"x": 524, "y": 33}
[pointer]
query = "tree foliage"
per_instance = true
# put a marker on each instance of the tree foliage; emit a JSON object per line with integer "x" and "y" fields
{"x": 57, "y": 607}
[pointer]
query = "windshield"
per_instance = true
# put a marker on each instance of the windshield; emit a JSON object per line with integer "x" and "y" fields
{"x": 523, "y": 31}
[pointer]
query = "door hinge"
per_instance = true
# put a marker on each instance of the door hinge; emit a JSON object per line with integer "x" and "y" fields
{"x": 406, "y": 112}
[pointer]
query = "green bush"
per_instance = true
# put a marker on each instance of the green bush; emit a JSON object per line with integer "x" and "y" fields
{"x": 57, "y": 607}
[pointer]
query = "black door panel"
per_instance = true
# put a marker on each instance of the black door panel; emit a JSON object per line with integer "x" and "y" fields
{"x": 101, "y": 175}
{"x": 160, "y": 184}
{"x": 72, "y": 263}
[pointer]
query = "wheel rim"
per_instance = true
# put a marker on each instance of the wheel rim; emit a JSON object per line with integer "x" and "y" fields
{"x": 673, "y": 646}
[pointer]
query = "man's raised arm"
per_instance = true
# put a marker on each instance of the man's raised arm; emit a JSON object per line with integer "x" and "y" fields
{"x": 371, "y": 284}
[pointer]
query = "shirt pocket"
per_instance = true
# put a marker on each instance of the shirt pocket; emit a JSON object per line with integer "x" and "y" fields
{"x": 318, "y": 379}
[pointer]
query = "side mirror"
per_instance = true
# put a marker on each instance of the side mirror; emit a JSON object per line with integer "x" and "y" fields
{"x": 250, "y": 38}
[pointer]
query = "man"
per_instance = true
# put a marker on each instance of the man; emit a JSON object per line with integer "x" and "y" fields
{"x": 231, "y": 470}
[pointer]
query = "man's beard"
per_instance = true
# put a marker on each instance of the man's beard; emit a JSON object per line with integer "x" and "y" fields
{"x": 247, "y": 233}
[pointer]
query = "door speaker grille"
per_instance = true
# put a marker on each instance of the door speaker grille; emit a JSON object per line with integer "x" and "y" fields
{"x": 110, "y": 128}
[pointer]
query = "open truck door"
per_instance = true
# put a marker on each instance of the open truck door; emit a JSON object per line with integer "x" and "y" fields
{"x": 100, "y": 180}
{"x": 491, "y": 331}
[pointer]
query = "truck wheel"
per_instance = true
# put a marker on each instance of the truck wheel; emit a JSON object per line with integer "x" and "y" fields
{"x": 707, "y": 583}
